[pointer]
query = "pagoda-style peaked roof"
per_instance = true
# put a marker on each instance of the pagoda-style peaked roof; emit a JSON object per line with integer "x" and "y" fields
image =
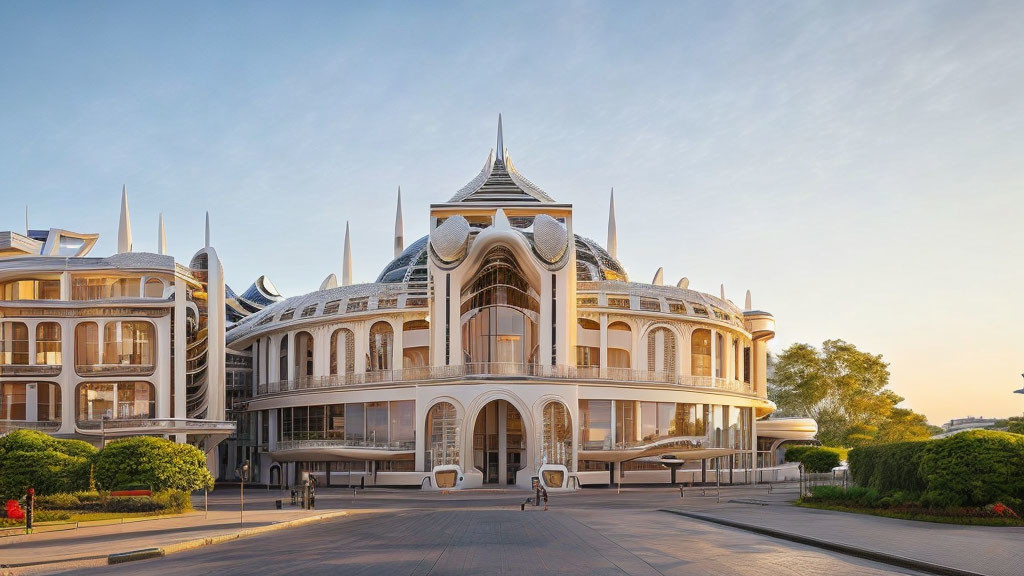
{"x": 499, "y": 181}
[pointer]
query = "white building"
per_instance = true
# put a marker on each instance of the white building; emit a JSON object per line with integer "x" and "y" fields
{"x": 501, "y": 347}
{"x": 98, "y": 348}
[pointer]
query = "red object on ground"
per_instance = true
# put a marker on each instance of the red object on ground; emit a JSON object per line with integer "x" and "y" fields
{"x": 131, "y": 493}
{"x": 14, "y": 512}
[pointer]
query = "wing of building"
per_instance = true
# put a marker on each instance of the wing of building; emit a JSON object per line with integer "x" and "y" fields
{"x": 501, "y": 347}
{"x": 100, "y": 348}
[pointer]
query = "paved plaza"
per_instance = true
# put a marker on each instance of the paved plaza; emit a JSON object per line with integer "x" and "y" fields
{"x": 595, "y": 531}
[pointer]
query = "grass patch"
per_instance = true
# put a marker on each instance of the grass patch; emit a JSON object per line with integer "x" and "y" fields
{"x": 920, "y": 515}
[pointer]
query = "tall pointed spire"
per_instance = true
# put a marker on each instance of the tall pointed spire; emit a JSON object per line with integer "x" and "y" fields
{"x": 124, "y": 226}
{"x": 161, "y": 242}
{"x": 501, "y": 144}
{"x": 746, "y": 304}
{"x": 346, "y": 263}
{"x": 207, "y": 228}
{"x": 26, "y": 219}
{"x": 399, "y": 227}
{"x": 613, "y": 243}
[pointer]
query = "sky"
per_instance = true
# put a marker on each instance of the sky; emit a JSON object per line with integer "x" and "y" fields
{"x": 857, "y": 166}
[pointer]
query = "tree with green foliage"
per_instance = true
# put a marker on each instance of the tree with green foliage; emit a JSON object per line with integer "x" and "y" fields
{"x": 29, "y": 458}
{"x": 844, "y": 390}
{"x": 1015, "y": 424}
{"x": 153, "y": 462}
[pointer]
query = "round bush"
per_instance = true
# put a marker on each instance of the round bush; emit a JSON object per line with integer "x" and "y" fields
{"x": 819, "y": 460}
{"x": 152, "y": 462}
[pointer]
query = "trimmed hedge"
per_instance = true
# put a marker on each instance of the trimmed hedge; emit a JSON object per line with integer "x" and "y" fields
{"x": 48, "y": 464}
{"x": 972, "y": 468}
{"x": 889, "y": 467}
{"x": 816, "y": 458}
{"x": 154, "y": 463}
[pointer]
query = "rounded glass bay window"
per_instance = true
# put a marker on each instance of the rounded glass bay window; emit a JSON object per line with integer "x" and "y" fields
{"x": 114, "y": 401}
{"x": 556, "y": 441}
{"x": 500, "y": 312}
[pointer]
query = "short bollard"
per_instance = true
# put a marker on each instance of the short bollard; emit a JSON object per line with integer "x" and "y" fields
{"x": 277, "y": 503}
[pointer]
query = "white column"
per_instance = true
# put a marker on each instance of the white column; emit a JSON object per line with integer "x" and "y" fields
{"x": 502, "y": 444}
{"x": 397, "y": 353}
{"x": 604, "y": 346}
{"x": 714, "y": 354}
{"x": 31, "y": 335}
{"x": 291, "y": 356}
{"x": 31, "y": 400}
{"x": 164, "y": 357}
{"x": 360, "y": 333}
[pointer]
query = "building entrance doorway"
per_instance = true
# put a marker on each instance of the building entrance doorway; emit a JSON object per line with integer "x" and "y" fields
{"x": 499, "y": 445}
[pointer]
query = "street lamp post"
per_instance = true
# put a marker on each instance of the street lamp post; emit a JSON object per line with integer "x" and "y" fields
{"x": 243, "y": 472}
{"x": 103, "y": 431}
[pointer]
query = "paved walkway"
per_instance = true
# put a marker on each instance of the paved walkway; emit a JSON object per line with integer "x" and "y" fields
{"x": 994, "y": 551}
{"x": 101, "y": 540}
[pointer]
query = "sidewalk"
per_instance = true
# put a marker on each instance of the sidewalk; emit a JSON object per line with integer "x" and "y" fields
{"x": 978, "y": 549}
{"x": 98, "y": 542}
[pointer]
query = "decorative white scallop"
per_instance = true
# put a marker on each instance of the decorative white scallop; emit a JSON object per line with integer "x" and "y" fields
{"x": 549, "y": 237}
{"x": 449, "y": 239}
{"x": 683, "y": 283}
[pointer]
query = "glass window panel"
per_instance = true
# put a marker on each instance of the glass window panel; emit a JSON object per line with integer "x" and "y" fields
{"x": 355, "y": 421}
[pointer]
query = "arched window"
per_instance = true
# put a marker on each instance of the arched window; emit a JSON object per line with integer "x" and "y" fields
{"x": 382, "y": 343}
{"x": 343, "y": 354}
{"x": 154, "y": 288}
{"x": 87, "y": 346}
{"x": 588, "y": 343}
{"x": 620, "y": 345}
{"x": 415, "y": 344}
{"x": 556, "y": 443}
{"x": 303, "y": 355}
{"x": 128, "y": 344}
{"x": 661, "y": 351}
{"x": 13, "y": 343}
{"x": 442, "y": 436}
{"x": 115, "y": 401}
{"x": 700, "y": 352}
{"x": 48, "y": 344}
{"x": 500, "y": 312}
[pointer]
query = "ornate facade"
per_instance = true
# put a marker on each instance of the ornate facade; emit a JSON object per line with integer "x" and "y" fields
{"x": 501, "y": 347}
{"x": 98, "y": 348}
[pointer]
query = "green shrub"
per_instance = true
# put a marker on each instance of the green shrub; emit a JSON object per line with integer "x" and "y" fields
{"x": 889, "y": 467}
{"x": 974, "y": 468}
{"x": 48, "y": 472}
{"x": 29, "y": 458}
{"x": 819, "y": 459}
{"x": 794, "y": 453}
{"x": 155, "y": 463}
{"x": 59, "y": 501}
{"x": 130, "y": 504}
{"x": 173, "y": 500}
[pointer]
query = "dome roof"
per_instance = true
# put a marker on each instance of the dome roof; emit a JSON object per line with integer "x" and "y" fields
{"x": 410, "y": 266}
{"x": 592, "y": 263}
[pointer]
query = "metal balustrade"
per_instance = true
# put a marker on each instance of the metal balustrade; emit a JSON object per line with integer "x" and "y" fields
{"x": 12, "y": 425}
{"x": 501, "y": 370}
{"x": 343, "y": 443}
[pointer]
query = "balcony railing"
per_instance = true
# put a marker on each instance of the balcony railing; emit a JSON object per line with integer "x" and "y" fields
{"x": 158, "y": 425}
{"x": 33, "y": 370}
{"x": 342, "y": 443}
{"x": 115, "y": 369}
{"x": 12, "y": 425}
{"x": 504, "y": 370}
